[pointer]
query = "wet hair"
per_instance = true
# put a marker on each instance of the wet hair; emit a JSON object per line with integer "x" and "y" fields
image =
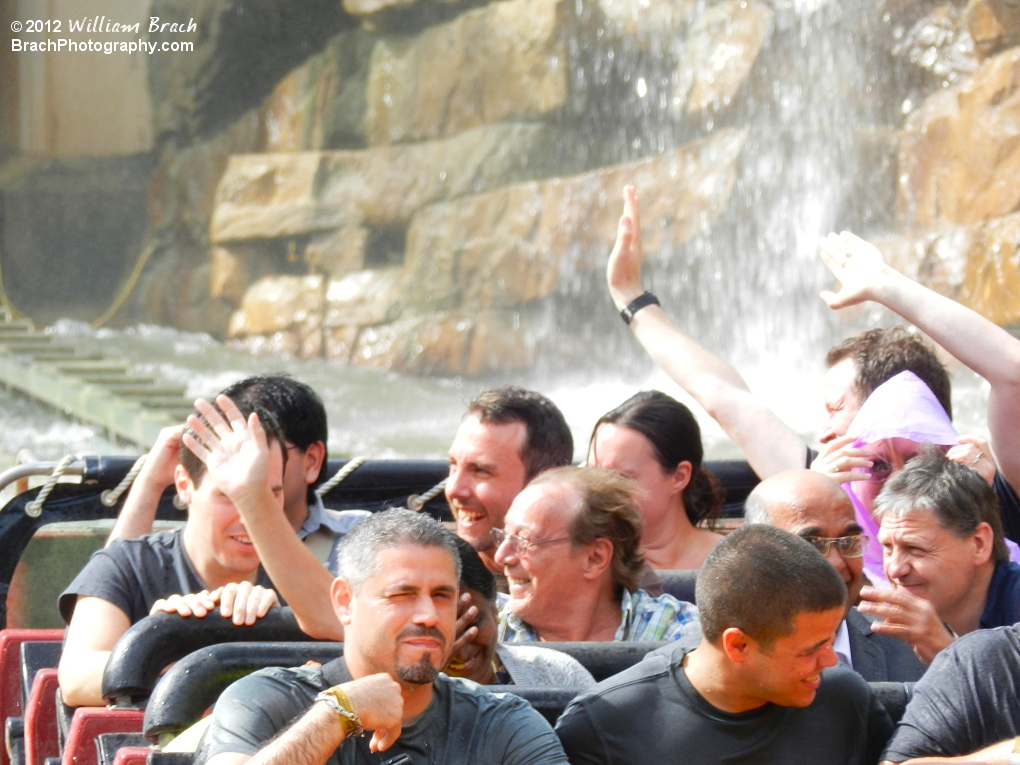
{"x": 358, "y": 553}
{"x": 759, "y": 579}
{"x": 881, "y": 354}
{"x": 195, "y": 468}
{"x": 296, "y": 406}
{"x": 675, "y": 437}
{"x": 473, "y": 573}
{"x": 956, "y": 494}
{"x": 548, "y": 442}
{"x": 609, "y": 510}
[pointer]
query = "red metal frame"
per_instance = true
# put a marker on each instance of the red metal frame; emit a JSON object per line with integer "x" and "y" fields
{"x": 41, "y": 719}
{"x": 10, "y": 672}
{"x": 89, "y": 722}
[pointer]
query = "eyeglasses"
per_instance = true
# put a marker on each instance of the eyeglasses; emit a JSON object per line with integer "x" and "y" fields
{"x": 851, "y": 546}
{"x": 519, "y": 546}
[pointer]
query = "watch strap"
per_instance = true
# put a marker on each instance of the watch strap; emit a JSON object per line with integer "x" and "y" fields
{"x": 642, "y": 301}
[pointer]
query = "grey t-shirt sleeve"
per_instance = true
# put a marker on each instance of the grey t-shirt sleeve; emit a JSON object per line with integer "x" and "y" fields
{"x": 252, "y": 711}
{"x": 105, "y": 577}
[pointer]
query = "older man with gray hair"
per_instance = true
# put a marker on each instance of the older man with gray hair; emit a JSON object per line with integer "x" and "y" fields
{"x": 812, "y": 506}
{"x": 396, "y": 596}
{"x": 945, "y": 555}
{"x": 571, "y": 552}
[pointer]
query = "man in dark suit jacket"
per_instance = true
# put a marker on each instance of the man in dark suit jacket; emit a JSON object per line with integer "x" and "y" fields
{"x": 813, "y": 506}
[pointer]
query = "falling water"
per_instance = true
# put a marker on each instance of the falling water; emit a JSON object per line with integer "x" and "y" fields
{"x": 821, "y": 107}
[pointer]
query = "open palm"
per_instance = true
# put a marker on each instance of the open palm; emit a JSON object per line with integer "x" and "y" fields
{"x": 857, "y": 264}
{"x": 234, "y": 449}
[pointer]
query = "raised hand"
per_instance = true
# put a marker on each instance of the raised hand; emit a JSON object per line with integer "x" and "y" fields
{"x": 976, "y": 453}
{"x": 165, "y": 454}
{"x": 842, "y": 461}
{"x": 909, "y": 618}
{"x": 466, "y": 614}
{"x": 380, "y": 707}
{"x": 623, "y": 273}
{"x": 234, "y": 450}
{"x": 858, "y": 265}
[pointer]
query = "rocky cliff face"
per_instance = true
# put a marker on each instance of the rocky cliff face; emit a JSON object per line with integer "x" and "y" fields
{"x": 415, "y": 194}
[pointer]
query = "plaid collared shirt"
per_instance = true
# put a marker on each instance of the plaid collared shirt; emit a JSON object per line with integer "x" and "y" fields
{"x": 643, "y": 618}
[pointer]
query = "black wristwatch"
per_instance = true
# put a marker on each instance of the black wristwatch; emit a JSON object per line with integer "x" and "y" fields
{"x": 642, "y": 301}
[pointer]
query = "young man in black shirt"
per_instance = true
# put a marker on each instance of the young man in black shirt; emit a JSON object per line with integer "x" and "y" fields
{"x": 210, "y": 561}
{"x": 754, "y": 689}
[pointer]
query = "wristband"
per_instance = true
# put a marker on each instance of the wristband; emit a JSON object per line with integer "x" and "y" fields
{"x": 642, "y": 301}
{"x": 337, "y": 700}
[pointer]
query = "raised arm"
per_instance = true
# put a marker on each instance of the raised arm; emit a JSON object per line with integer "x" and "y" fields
{"x": 768, "y": 443}
{"x": 95, "y": 628}
{"x": 985, "y": 348}
{"x": 235, "y": 455}
{"x": 142, "y": 500}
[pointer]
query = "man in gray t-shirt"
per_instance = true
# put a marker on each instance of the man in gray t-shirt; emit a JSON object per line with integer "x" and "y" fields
{"x": 396, "y": 597}
{"x": 463, "y": 724}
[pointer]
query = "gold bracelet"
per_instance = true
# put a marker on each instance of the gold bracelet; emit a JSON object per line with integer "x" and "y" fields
{"x": 337, "y": 700}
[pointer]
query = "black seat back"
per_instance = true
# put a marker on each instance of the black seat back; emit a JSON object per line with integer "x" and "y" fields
{"x": 143, "y": 651}
{"x": 679, "y": 583}
{"x": 36, "y": 655}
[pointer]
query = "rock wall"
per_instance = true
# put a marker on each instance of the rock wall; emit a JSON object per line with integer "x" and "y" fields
{"x": 416, "y": 194}
{"x": 958, "y": 192}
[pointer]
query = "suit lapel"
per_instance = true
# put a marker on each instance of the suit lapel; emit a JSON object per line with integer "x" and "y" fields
{"x": 868, "y": 658}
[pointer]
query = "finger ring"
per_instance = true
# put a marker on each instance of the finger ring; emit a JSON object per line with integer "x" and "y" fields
{"x": 981, "y": 456}
{"x": 839, "y": 467}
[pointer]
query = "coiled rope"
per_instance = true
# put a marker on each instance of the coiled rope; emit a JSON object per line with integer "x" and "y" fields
{"x": 352, "y": 464}
{"x": 417, "y": 501}
{"x": 34, "y": 508}
{"x": 110, "y": 496}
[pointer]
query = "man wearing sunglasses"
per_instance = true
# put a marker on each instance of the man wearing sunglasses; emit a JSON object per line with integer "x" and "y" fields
{"x": 812, "y": 506}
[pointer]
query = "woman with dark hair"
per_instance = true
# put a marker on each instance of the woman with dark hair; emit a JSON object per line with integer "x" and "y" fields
{"x": 655, "y": 441}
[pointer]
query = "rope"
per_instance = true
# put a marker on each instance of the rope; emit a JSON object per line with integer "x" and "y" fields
{"x": 6, "y": 301}
{"x": 129, "y": 285}
{"x": 352, "y": 464}
{"x": 110, "y": 496}
{"x": 417, "y": 501}
{"x": 34, "y": 508}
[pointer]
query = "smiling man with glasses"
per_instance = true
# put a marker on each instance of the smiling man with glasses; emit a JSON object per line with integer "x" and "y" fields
{"x": 812, "y": 506}
{"x": 570, "y": 550}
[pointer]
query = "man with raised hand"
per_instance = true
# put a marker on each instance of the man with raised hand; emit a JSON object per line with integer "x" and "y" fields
{"x": 771, "y": 446}
{"x": 210, "y": 561}
{"x": 755, "y": 689}
{"x": 396, "y": 595}
{"x": 814, "y": 508}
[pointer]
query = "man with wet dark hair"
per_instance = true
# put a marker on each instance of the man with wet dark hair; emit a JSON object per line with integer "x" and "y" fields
{"x": 396, "y": 595}
{"x": 507, "y": 437}
{"x": 815, "y": 508}
{"x": 878, "y": 355}
{"x": 210, "y": 561}
{"x": 754, "y": 689}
